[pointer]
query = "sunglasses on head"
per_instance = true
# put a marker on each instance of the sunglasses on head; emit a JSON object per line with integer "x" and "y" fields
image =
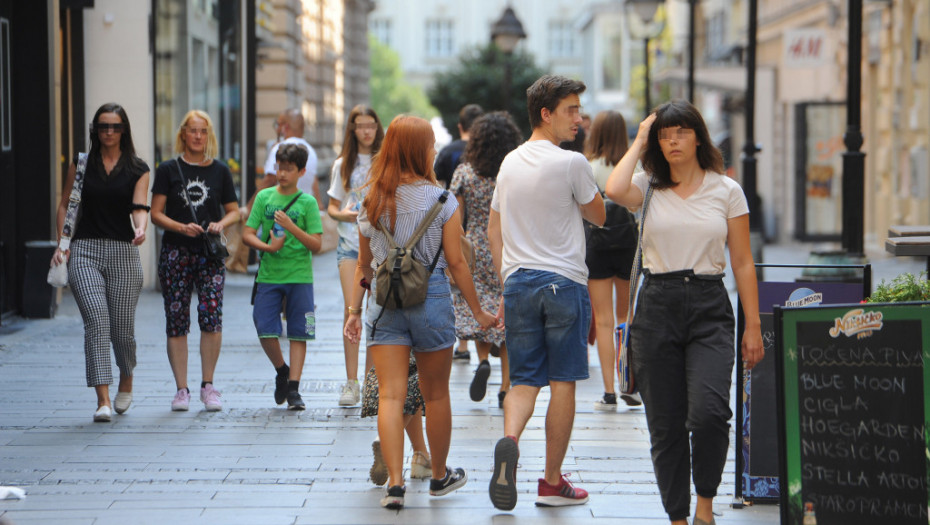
{"x": 103, "y": 127}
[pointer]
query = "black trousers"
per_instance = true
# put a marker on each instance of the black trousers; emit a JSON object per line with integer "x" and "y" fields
{"x": 683, "y": 351}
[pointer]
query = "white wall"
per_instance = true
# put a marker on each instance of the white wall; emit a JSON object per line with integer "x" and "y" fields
{"x": 118, "y": 68}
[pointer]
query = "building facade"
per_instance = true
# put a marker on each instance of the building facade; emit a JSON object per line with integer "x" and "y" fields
{"x": 61, "y": 59}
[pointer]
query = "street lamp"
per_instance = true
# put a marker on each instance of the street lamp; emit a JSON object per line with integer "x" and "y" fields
{"x": 853, "y": 158}
{"x": 645, "y": 11}
{"x": 506, "y": 33}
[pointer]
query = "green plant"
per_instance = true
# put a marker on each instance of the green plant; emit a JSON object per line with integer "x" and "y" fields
{"x": 905, "y": 287}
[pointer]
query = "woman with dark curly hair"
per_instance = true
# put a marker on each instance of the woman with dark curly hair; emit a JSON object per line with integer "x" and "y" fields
{"x": 682, "y": 337}
{"x": 493, "y": 136}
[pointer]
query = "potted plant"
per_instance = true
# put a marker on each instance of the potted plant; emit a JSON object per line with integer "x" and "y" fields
{"x": 905, "y": 287}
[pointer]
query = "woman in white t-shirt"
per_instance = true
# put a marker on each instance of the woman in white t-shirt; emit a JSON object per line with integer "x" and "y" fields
{"x": 363, "y": 138}
{"x": 682, "y": 337}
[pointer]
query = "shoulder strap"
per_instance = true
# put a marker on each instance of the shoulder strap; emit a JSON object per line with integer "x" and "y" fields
{"x": 421, "y": 228}
{"x": 74, "y": 201}
{"x": 638, "y": 260}
{"x": 267, "y": 235}
{"x": 187, "y": 196}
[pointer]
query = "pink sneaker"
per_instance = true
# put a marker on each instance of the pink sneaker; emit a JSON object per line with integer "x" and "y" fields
{"x": 182, "y": 401}
{"x": 560, "y": 495}
{"x": 211, "y": 398}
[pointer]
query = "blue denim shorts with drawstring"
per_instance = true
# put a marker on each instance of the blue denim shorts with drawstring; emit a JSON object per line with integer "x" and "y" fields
{"x": 547, "y": 318}
{"x": 426, "y": 327}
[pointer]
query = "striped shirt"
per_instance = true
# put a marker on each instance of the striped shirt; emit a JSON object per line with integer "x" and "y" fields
{"x": 413, "y": 203}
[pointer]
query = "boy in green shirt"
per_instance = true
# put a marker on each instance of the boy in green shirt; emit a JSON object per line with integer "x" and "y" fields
{"x": 291, "y": 220}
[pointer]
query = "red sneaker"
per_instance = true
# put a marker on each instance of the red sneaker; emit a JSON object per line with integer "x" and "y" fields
{"x": 559, "y": 495}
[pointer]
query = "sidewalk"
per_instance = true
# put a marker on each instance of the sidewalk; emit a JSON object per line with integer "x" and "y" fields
{"x": 256, "y": 463}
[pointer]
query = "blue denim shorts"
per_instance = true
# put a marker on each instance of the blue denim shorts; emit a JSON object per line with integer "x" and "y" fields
{"x": 547, "y": 318}
{"x": 301, "y": 320}
{"x": 344, "y": 252}
{"x": 427, "y": 327}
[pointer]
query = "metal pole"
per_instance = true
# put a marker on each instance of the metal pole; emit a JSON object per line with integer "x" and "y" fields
{"x": 692, "y": 8}
{"x": 853, "y": 159}
{"x": 505, "y": 89}
{"x": 750, "y": 148}
{"x": 648, "y": 98}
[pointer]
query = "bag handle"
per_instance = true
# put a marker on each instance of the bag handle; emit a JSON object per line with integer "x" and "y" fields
{"x": 638, "y": 259}
{"x": 74, "y": 202}
{"x": 421, "y": 228}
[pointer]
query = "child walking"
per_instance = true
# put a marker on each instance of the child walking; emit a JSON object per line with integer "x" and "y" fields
{"x": 291, "y": 226}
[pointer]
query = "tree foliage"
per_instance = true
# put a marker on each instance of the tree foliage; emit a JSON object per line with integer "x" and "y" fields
{"x": 479, "y": 78}
{"x": 391, "y": 95}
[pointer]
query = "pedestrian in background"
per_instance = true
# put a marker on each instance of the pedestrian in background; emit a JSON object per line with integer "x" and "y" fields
{"x": 537, "y": 241}
{"x": 446, "y": 163}
{"x": 363, "y": 137}
{"x": 292, "y": 232}
{"x": 493, "y": 136}
{"x": 609, "y": 253}
{"x": 194, "y": 180}
{"x": 401, "y": 192}
{"x": 104, "y": 269}
{"x": 682, "y": 336}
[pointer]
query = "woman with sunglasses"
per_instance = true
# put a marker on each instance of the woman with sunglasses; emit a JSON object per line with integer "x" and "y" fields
{"x": 682, "y": 336}
{"x": 195, "y": 179}
{"x": 104, "y": 269}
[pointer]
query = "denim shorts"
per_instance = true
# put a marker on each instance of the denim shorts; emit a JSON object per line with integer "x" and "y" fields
{"x": 344, "y": 252}
{"x": 426, "y": 327}
{"x": 547, "y": 318}
{"x": 301, "y": 320}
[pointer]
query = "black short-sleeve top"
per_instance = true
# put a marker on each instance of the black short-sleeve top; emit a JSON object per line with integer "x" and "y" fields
{"x": 210, "y": 188}
{"x": 106, "y": 200}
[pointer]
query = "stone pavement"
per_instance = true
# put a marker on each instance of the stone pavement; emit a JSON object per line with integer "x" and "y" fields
{"x": 256, "y": 463}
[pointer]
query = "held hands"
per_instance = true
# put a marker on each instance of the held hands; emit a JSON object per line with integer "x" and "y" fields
{"x": 752, "y": 350}
{"x": 488, "y": 320}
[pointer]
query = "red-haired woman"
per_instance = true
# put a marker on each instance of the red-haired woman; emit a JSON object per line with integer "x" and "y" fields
{"x": 401, "y": 191}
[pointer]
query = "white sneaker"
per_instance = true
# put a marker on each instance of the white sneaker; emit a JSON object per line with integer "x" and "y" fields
{"x": 350, "y": 394}
{"x": 122, "y": 401}
{"x": 103, "y": 414}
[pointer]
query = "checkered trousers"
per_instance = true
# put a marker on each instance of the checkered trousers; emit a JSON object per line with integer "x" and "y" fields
{"x": 106, "y": 277}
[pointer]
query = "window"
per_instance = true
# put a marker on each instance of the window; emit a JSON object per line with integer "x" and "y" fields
{"x": 439, "y": 38}
{"x": 381, "y": 29}
{"x": 561, "y": 39}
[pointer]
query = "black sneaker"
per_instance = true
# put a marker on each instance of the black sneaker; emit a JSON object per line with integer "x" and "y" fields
{"x": 455, "y": 479}
{"x": 479, "y": 385}
{"x": 633, "y": 400}
{"x": 500, "y": 398}
{"x": 394, "y": 499}
{"x": 280, "y": 387}
{"x": 503, "y": 486}
{"x": 461, "y": 356}
{"x": 608, "y": 403}
{"x": 294, "y": 401}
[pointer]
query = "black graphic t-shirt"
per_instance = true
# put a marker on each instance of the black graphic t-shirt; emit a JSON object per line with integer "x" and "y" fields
{"x": 210, "y": 188}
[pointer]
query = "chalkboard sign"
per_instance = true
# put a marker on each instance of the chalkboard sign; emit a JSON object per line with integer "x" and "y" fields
{"x": 756, "y": 414}
{"x": 852, "y": 413}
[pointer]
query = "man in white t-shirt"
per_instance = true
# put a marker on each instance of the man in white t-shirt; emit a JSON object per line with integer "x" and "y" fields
{"x": 290, "y": 126}
{"x": 538, "y": 245}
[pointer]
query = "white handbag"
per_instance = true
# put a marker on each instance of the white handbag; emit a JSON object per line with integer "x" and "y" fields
{"x": 58, "y": 273}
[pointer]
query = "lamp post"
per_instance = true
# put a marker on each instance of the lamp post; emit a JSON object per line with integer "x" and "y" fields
{"x": 750, "y": 148}
{"x": 853, "y": 159}
{"x": 692, "y": 7}
{"x": 645, "y": 11}
{"x": 506, "y": 33}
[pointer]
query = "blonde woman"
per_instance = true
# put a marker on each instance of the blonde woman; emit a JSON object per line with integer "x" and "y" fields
{"x": 194, "y": 179}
